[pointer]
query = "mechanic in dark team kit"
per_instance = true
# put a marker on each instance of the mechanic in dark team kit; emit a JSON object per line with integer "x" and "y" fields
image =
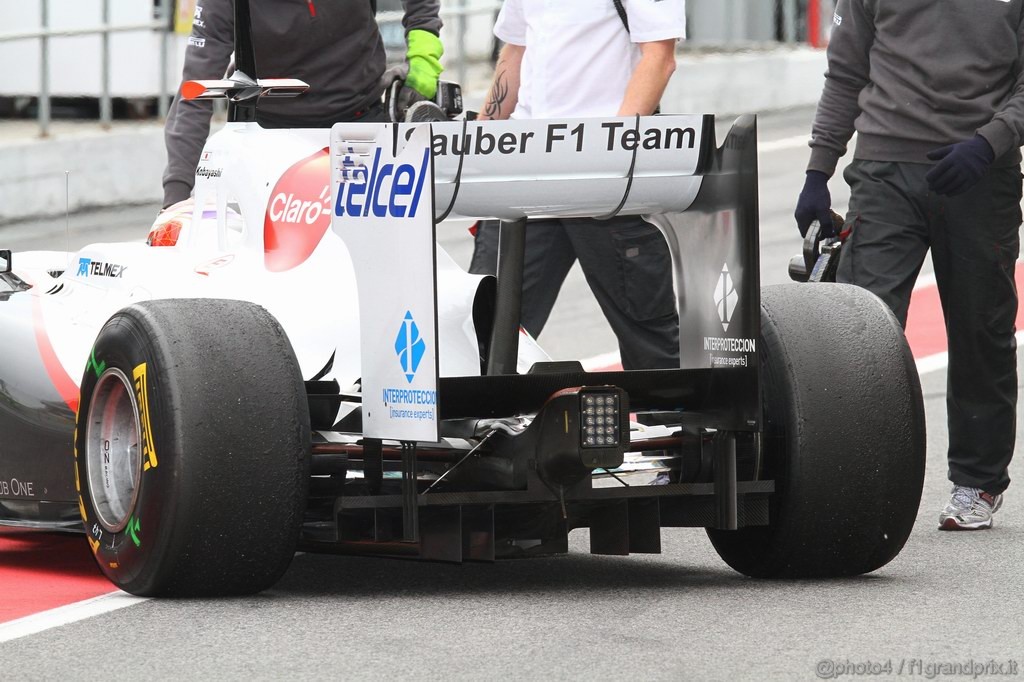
{"x": 333, "y": 45}
{"x": 576, "y": 58}
{"x": 935, "y": 91}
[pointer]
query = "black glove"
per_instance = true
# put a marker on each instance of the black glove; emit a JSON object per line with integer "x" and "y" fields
{"x": 404, "y": 100}
{"x": 398, "y": 96}
{"x": 959, "y": 166}
{"x": 815, "y": 203}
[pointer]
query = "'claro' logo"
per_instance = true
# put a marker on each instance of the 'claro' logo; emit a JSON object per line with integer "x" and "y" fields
{"x": 299, "y": 213}
{"x": 388, "y": 190}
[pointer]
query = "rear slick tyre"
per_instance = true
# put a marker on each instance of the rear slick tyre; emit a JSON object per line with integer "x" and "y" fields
{"x": 192, "y": 449}
{"x": 844, "y": 436}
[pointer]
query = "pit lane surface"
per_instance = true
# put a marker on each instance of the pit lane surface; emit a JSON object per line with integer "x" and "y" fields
{"x": 683, "y": 614}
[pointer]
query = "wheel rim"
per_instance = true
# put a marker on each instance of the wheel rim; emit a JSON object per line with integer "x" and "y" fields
{"x": 112, "y": 454}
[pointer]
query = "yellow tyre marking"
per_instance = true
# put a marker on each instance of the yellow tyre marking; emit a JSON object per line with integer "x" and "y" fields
{"x": 149, "y": 460}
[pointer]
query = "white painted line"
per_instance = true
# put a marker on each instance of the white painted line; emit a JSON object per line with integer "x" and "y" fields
{"x": 784, "y": 144}
{"x": 938, "y": 361}
{"x": 64, "y": 615}
{"x": 929, "y": 363}
{"x": 602, "y": 361}
{"x": 925, "y": 280}
{"x": 932, "y": 363}
{"x": 795, "y": 142}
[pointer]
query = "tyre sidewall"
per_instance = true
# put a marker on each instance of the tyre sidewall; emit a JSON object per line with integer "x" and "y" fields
{"x": 131, "y": 558}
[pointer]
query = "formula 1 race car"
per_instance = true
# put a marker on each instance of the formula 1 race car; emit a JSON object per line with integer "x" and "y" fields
{"x": 292, "y": 363}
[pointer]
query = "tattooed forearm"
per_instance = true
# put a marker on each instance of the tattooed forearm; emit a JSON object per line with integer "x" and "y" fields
{"x": 503, "y": 97}
{"x": 497, "y": 96}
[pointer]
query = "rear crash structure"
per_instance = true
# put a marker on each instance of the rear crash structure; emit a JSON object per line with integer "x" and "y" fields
{"x": 792, "y": 405}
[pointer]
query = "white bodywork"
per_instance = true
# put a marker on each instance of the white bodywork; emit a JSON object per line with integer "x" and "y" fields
{"x": 249, "y": 181}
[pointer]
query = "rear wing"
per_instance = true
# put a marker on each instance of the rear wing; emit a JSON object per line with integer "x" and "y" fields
{"x": 569, "y": 167}
{"x": 392, "y": 184}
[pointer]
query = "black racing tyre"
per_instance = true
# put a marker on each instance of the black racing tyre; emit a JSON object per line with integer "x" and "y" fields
{"x": 192, "y": 448}
{"x": 844, "y": 436}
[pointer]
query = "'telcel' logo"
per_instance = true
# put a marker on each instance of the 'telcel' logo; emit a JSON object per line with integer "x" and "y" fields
{"x": 384, "y": 190}
{"x": 409, "y": 347}
{"x": 726, "y": 297}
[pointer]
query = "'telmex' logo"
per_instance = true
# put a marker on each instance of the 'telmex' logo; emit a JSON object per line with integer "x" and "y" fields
{"x": 88, "y": 266}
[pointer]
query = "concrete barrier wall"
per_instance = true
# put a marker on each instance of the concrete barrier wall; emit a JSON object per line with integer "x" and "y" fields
{"x": 122, "y": 166}
{"x": 745, "y": 82}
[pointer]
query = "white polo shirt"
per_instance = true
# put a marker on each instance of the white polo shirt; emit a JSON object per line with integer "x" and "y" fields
{"x": 579, "y": 57}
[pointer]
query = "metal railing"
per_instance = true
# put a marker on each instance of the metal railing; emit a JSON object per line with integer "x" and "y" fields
{"x": 160, "y": 23}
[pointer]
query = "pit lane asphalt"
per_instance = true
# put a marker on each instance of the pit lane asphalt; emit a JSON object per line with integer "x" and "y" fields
{"x": 948, "y": 598}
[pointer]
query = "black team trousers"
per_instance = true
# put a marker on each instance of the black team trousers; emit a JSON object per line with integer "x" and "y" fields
{"x": 975, "y": 241}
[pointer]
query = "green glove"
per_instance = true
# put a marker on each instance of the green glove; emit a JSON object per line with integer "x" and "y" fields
{"x": 424, "y": 56}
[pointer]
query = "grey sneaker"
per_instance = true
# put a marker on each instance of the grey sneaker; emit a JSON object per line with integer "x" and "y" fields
{"x": 969, "y": 509}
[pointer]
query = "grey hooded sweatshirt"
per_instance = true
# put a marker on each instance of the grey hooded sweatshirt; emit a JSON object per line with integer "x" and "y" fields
{"x": 913, "y": 75}
{"x": 333, "y": 45}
